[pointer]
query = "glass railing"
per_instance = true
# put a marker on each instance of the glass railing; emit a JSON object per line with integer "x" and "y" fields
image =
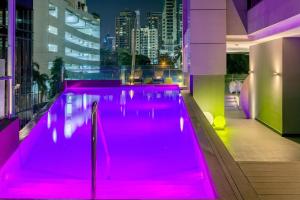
{"x": 142, "y": 74}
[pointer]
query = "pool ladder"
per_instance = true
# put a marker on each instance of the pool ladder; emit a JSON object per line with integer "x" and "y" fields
{"x": 94, "y": 147}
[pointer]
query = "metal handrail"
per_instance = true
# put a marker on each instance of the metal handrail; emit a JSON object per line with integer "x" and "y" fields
{"x": 94, "y": 147}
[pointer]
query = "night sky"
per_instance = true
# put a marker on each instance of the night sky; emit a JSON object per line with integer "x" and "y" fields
{"x": 109, "y": 9}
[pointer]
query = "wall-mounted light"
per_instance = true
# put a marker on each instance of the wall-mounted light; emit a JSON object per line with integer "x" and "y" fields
{"x": 276, "y": 74}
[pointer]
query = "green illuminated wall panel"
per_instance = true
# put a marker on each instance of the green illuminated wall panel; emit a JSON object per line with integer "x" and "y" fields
{"x": 208, "y": 92}
{"x": 266, "y": 59}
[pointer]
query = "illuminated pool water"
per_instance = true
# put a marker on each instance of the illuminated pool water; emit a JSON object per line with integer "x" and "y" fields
{"x": 147, "y": 149}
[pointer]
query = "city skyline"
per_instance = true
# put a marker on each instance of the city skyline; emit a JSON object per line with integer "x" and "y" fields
{"x": 112, "y": 8}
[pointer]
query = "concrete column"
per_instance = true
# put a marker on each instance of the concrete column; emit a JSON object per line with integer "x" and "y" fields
{"x": 207, "y": 45}
{"x": 11, "y": 56}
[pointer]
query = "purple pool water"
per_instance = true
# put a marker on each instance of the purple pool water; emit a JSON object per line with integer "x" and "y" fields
{"x": 147, "y": 149}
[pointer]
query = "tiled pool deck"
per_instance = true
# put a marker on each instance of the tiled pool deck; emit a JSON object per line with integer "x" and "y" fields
{"x": 270, "y": 162}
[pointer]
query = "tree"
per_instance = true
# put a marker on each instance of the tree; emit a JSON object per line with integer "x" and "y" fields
{"x": 237, "y": 63}
{"x": 57, "y": 71}
{"x": 165, "y": 60}
{"x": 40, "y": 80}
{"x": 108, "y": 58}
{"x": 124, "y": 57}
{"x": 142, "y": 60}
{"x": 177, "y": 56}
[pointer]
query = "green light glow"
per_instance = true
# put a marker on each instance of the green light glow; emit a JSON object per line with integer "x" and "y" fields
{"x": 208, "y": 92}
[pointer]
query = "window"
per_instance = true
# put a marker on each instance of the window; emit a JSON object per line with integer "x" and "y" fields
{"x": 82, "y": 25}
{"x": 252, "y": 3}
{"x": 81, "y": 56}
{"x": 52, "y": 48}
{"x": 53, "y": 10}
{"x": 81, "y": 42}
{"x": 1, "y": 17}
{"x": 53, "y": 30}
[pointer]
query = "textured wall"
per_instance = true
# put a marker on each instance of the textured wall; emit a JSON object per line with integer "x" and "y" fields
{"x": 265, "y": 59}
{"x": 276, "y": 85}
{"x": 208, "y": 37}
{"x": 291, "y": 86}
{"x": 207, "y": 46}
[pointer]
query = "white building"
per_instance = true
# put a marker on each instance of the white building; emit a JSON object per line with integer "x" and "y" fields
{"x": 64, "y": 28}
{"x": 147, "y": 43}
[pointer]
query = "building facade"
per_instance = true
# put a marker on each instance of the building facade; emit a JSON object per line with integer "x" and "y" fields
{"x": 154, "y": 21}
{"x": 124, "y": 24}
{"x": 147, "y": 43}
{"x": 23, "y": 68}
{"x": 180, "y": 24}
{"x": 169, "y": 26}
{"x": 109, "y": 42}
{"x": 64, "y": 28}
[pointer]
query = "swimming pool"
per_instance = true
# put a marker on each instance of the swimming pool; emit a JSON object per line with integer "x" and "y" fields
{"x": 147, "y": 149}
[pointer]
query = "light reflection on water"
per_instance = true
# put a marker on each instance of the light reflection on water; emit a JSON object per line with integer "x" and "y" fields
{"x": 78, "y": 107}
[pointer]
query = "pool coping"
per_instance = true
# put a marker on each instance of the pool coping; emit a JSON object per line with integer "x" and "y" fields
{"x": 25, "y": 131}
{"x": 229, "y": 180}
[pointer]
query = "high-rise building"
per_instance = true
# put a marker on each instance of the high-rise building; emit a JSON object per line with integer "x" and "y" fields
{"x": 153, "y": 45}
{"x": 154, "y": 21}
{"x": 169, "y": 26}
{"x": 64, "y": 28}
{"x": 142, "y": 38}
{"x": 109, "y": 42}
{"x": 23, "y": 67}
{"x": 124, "y": 25}
{"x": 78, "y": 4}
{"x": 138, "y": 19}
{"x": 147, "y": 43}
{"x": 179, "y": 25}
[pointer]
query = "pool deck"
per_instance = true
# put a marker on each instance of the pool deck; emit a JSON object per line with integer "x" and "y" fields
{"x": 270, "y": 162}
{"x": 257, "y": 162}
